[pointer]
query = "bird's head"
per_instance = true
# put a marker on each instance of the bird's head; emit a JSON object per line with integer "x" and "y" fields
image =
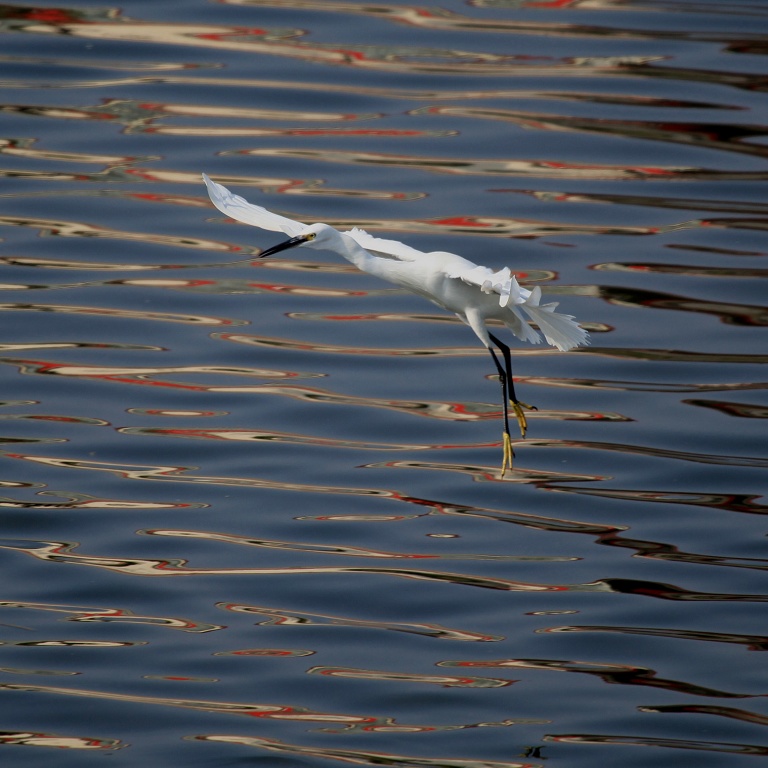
{"x": 315, "y": 236}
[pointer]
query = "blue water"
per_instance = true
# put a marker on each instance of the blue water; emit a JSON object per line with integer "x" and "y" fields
{"x": 253, "y": 510}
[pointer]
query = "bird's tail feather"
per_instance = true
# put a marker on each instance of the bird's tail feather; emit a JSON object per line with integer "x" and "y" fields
{"x": 561, "y": 331}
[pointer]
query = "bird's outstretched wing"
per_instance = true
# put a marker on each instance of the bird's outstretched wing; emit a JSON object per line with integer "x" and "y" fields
{"x": 389, "y": 249}
{"x": 561, "y": 331}
{"x": 238, "y": 208}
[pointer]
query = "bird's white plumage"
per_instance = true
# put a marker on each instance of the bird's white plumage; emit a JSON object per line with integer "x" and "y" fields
{"x": 473, "y": 292}
{"x": 387, "y": 248}
{"x": 240, "y": 209}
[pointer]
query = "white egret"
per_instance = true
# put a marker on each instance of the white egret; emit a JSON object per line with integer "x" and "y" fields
{"x": 474, "y": 293}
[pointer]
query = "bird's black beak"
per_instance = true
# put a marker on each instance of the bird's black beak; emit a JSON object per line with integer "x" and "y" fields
{"x": 294, "y": 241}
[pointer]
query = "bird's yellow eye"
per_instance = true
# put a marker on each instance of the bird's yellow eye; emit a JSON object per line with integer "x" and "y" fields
{"x": 311, "y": 236}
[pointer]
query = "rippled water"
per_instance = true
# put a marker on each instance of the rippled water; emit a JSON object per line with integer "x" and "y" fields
{"x": 253, "y": 510}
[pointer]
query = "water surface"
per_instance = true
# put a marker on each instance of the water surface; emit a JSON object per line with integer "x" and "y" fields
{"x": 253, "y": 510}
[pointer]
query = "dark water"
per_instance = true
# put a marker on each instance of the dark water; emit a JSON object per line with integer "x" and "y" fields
{"x": 252, "y": 510}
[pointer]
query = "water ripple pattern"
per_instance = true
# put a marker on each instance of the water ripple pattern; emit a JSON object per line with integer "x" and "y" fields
{"x": 270, "y": 488}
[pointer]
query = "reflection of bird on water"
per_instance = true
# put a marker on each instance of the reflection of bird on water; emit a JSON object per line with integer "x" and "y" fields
{"x": 476, "y": 294}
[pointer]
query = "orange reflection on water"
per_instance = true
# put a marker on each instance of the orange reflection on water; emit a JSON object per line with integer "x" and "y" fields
{"x": 660, "y": 551}
{"x": 96, "y": 266}
{"x": 85, "y": 501}
{"x": 542, "y": 168}
{"x": 677, "y": 356}
{"x": 636, "y": 386}
{"x": 113, "y": 615}
{"x": 752, "y": 642}
{"x": 281, "y": 653}
{"x": 714, "y": 747}
{"x": 486, "y": 474}
{"x": 36, "y": 739}
{"x": 641, "y": 450}
{"x": 243, "y": 286}
{"x": 343, "y": 550}
{"x": 72, "y": 643}
{"x": 287, "y": 617}
{"x": 61, "y": 228}
{"x": 493, "y": 226}
{"x": 690, "y": 270}
{"x": 146, "y": 376}
{"x": 63, "y": 552}
{"x": 290, "y": 438}
{"x": 430, "y": 506}
{"x": 24, "y": 147}
{"x": 616, "y": 674}
{"x": 306, "y": 346}
{"x": 714, "y": 136}
{"x": 349, "y": 673}
{"x": 728, "y": 312}
{"x": 361, "y": 757}
{"x": 740, "y": 410}
{"x": 730, "y": 502}
{"x": 743, "y": 715}
{"x": 282, "y": 713}
{"x": 94, "y": 24}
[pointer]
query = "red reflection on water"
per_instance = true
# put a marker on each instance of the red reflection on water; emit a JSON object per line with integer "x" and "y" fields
{"x": 63, "y": 228}
{"x": 84, "y": 501}
{"x": 345, "y": 132}
{"x": 400, "y": 677}
{"x": 485, "y": 474}
{"x": 26, "y": 148}
{"x": 699, "y": 458}
{"x": 176, "y": 474}
{"x": 614, "y": 674}
{"x": 38, "y": 739}
{"x": 730, "y": 502}
{"x": 137, "y": 116}
{"x": 146, "y": 376}
{"x": 361, "y": 757}
{"x": 715, "y": 136}
{"x": 752, "y": 642}
{"x": 271, "y": 652}
{"x": 715, "y": 747}
{"x": 740, "y": 410}
{"x": 159, "y": 473}
{"x": 704, "y": 709}
{"x": 671, "y": 592}
{"x": 338, "y": 549}
{"x": 287, "y": 617}
{"x": 290, "y": 438}
{"x": 545, "y": 168}
{"x": 63, "y": 552}
{"x": 112, "y": 615}
{"x": 675, "y": 355}
{"x": 74, "y": 643}
{"x": 654, "y": 550}
{"x": 96, "y": 24}
{"x": 729, "y": 206}
{"x": 728, "y": 312}
{"x": 692, "y": 270}
{"x": 307, "y": 346}
{"x": 284, "y": 713}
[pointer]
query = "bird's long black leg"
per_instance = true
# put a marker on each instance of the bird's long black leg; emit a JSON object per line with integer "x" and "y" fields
{"x": 507, "y": 439}
{"x": 517, "y": 406}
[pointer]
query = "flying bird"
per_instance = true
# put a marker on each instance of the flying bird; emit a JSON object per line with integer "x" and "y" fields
{"x": 474, "y": 293}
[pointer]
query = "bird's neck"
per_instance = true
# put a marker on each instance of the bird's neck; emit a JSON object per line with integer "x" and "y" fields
{"x": 355, "y": 253}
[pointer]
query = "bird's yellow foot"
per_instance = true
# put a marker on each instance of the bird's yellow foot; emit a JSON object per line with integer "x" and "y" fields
{"x": 517, "y": 407}
{"x": 509, "y": 454}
